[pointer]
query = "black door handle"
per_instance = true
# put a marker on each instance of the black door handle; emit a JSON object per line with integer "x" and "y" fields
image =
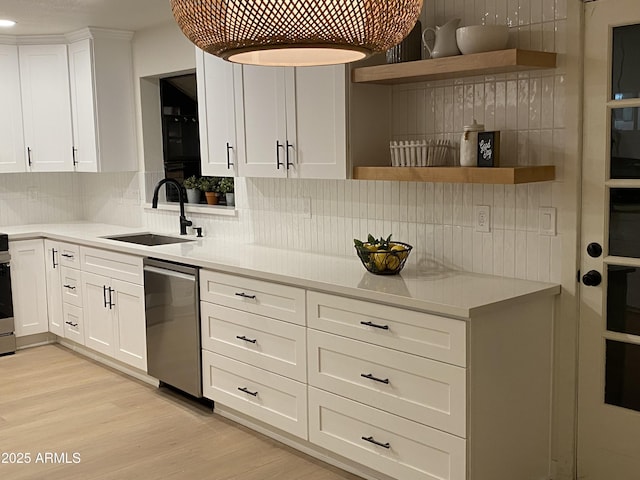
{"x": 592, "y": 278}
{"x": 594, "y": 250}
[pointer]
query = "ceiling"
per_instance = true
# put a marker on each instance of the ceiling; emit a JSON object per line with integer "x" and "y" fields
{"x": 38, "y": 17}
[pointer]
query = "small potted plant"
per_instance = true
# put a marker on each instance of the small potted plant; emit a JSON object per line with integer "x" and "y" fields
{"x": 209, "y": 185}
{"x": 192, "y": 185}
{"x": 226, "y": 186}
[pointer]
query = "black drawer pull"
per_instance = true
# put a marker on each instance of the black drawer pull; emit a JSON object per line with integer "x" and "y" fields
{"x": 250, "y": 340}
{"x": 375, "y": 442}
{"x": 246, "y": 390}
{"x": 244, "y": 295}
{"x": 66, "y": 255}
{"x": 376, "y": 379}
{"x": 72, "y": 324}
{"x": 371, "y": 324}
{"x": 70, "y": 287}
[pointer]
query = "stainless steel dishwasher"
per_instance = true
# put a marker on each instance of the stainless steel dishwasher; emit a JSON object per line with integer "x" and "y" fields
{"x": 172, "y": 307}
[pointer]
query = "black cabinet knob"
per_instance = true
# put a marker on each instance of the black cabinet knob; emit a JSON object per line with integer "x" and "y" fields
{"x": 592, "y": 278}
{"x": 594, "y": 250}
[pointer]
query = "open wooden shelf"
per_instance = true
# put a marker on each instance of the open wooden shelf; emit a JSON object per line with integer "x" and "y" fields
{"x": 486, "y": 63}
{"x": 498, "y": 175}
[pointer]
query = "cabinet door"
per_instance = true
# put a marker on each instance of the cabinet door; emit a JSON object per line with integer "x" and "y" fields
{"x": 29, "y": 287}
{"x": 263, "y": 94}
{"x": 99, "y": 328}
{"x": 12, "y": 153}
{"x": 54, "y": 287}
{"x": 44, "y": 78}
{"x": 319, "y": 123}
{"x": 83, "y": 110}
{"x": 221, "y": 145}
{"x": 129, "y": 317}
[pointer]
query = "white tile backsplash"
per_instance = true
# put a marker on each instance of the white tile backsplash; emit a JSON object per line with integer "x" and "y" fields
{"x": 527, "y": 108}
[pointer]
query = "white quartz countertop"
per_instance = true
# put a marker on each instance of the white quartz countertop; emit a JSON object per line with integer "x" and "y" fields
{"x": 425, "y": 288}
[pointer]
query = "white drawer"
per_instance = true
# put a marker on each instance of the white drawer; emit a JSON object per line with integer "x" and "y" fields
{"x": 69, "y": 255}
{"x": 270, "y": 398}
{"x": 254, "y": 296}
{"x": 73, "y": 323}
{"x": 419, "y": 389}
{"x": 112, "y": 264}
{"x": 404, "y": 450}
{"x": 260, "y": 341}
{"x": 405, "y": 330}
{"x": 71, "y": 286}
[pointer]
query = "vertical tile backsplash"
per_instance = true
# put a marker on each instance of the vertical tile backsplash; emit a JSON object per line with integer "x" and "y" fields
{"x": 39, "y": 198}
{"x": 325, "y": 215}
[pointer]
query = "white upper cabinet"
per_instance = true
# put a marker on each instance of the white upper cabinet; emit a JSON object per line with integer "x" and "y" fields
{"x": 12, "y": 153}
{"x": 102, "y": 100}
{"x": 46, "y": 107}
{"x": 294, "y": 121}
{"x": 320, "y": 122}
{"x": 263, "y": 94}
{"x": 221, "y": 132}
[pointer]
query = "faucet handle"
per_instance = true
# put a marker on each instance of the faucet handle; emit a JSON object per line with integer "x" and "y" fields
{"x": 198, "y": 231}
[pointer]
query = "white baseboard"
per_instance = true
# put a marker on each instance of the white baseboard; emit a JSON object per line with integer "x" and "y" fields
{"x": 109, "y": 362}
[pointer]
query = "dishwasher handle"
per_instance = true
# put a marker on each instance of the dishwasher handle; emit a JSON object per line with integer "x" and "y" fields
{"x": 170, "y": 273}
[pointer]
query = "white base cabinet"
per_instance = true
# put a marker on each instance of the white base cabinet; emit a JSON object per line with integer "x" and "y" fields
{"x": 411, "y": 395}
{"x": 114, "y": 315}
{"x": 29, "y": 287}
{"x": 62, "y": 266}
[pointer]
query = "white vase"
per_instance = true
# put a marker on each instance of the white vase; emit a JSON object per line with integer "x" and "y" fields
{"x": 193, "y": 195}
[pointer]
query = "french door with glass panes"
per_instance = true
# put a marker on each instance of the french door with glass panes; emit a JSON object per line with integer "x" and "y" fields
{"x": 609, "y": 362}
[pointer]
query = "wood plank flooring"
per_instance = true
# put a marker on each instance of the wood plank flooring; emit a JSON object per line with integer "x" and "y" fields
{"x": 54, "y": 400}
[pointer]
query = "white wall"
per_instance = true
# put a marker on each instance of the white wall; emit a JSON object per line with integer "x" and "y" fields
{"x": 529, "y": 108}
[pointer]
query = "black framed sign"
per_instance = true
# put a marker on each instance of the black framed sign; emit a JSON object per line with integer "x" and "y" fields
{"x": 488, "y": 149}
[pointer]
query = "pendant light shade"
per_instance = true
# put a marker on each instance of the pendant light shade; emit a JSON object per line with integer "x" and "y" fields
{"x": 295, "y": 32}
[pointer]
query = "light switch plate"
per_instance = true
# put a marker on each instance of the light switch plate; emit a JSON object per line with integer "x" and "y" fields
{"x": 547, "y": 221}
{"x": 482, "y": 216}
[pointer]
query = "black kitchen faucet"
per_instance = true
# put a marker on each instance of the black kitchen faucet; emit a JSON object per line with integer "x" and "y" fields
{"x": 184, "y": 223}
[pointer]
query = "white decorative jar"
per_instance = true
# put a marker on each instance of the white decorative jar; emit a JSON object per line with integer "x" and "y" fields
{"x": 469, "y": 145}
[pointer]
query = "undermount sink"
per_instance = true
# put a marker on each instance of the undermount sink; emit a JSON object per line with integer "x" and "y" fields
{"x": 148, "y": 239}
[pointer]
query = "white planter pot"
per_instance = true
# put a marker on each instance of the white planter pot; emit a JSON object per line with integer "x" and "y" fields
{"x": 231, "y": 199}
{"x": 193, "y": 195}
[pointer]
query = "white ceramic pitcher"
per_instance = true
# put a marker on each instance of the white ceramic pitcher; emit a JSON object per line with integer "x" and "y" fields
{"x": 444, "y": 39}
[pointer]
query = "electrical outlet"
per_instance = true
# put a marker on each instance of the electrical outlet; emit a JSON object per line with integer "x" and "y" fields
{"x": 32, "y": 193}
{"x": 547, "y": 221}
{"x": 306, "y": 207}
{"x": 482, "y": 216}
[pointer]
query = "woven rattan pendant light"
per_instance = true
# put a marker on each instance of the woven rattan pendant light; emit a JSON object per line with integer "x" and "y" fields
{"x": 295, "y": 32}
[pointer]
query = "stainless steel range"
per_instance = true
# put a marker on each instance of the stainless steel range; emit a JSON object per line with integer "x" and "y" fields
{"x": 7, "y": 337}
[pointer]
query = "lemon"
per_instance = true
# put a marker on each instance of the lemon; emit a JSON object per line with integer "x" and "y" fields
{"x": 393, "y": 262}
{"x": 379, "y": 260}
{"x": 402, "y": 251}
{"x": 371, "y": 248}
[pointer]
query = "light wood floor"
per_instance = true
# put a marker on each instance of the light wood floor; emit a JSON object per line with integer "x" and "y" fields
{"x": 53, "y": 400}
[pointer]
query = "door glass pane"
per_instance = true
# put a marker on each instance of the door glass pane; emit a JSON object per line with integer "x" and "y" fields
{"x": 625, "y": 74}
{"x": 625, "y": 142}
{"x": 624, "y": 222}
{"x": 623, "y": 299}
{"x": 622, "y": 375}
